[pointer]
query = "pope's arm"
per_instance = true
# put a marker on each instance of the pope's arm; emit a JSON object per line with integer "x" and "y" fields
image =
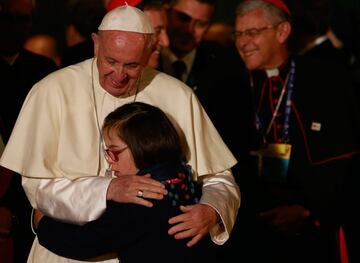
{"x": 76, "y": 201}
{"x": 84, "y": 199}
{"x": 221, "y": 192}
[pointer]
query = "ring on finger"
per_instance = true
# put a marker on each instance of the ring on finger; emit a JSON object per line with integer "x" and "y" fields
{"x": 140, "y": 193}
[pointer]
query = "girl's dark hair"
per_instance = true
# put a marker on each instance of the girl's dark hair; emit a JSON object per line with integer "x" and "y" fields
{"x": 148, "y": 133}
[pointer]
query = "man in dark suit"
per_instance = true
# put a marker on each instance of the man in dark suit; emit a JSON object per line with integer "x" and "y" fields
{"x": 215, "y": 73}
{"x": 312, "y": 32}
{"x": 305, "y": 143}
{"x": 188, "y": 22}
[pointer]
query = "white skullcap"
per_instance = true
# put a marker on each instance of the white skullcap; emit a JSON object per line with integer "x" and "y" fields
{"x": 127, "y": 18}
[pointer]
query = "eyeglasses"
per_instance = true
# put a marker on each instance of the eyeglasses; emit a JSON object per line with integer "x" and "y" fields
{"x": 111, "y": 155}
{"x": 253, "y": 32}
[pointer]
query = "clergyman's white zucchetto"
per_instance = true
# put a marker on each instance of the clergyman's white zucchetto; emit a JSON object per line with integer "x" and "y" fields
{"x": 127, "y": 18}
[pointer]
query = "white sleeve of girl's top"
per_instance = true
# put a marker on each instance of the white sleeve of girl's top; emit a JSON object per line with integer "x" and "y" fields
{"x": 74, "y": 201}
{"x": 221, "y": 192}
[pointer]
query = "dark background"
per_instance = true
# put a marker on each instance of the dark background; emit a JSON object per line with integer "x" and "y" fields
{"x": 50, "y": 16}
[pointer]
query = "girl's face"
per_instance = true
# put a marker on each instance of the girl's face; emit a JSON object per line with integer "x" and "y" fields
{"x": 118, "y": 154}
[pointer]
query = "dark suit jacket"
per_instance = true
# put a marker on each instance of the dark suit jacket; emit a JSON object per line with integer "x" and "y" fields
{"x": 215, "y": 70}
{"x": 136, "y": 232}
{"x": 220, "y": 81}
{"x": 326, "y": 51}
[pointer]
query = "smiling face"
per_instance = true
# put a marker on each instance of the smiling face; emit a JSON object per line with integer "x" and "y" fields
{"x": 266, "y": 48}
{"x": 118, "y": 153}
{"x": 121, "y": 56}
{"x": 158, "y": 17}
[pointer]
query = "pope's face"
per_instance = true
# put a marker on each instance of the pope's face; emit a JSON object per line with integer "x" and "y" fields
{"x": 121, "y": 56}
{"x": 158, "y": 18}
{"x": 118, "y": 154}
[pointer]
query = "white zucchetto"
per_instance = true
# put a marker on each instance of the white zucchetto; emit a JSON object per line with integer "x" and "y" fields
{"x": 127, "y": 18}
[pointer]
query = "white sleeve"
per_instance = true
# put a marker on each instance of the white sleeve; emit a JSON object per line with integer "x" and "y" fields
{"x": 74, "y": 201}
{"x": 221, "y": 192}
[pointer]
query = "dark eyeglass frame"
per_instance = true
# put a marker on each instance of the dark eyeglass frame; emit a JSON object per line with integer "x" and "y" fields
{"x": 254, "y": 32}
{"x": 112, "y": 155}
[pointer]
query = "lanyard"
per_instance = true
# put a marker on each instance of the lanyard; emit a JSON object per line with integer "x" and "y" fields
{"x": 289, "y": 86}
{"x": 288, "y": 103}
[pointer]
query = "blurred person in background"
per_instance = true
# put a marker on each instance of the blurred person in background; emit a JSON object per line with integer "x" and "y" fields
{"x": 45, "y": 45}
{"x": 214, "y": 72}
{"x": 84, "y": 16}
{"x": 311, "y": 36}
{"x": 20, "y": 69}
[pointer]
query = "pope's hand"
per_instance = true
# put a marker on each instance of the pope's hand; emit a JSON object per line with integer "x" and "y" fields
{"x": 126, "y": 188}
{"x": 195, "y": 222}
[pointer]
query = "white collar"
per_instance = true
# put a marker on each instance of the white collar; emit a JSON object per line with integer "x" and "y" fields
{"x": 272, "y": 72}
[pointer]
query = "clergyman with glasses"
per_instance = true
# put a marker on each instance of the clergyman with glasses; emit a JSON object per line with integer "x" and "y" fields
{"x": 303, "y": 145}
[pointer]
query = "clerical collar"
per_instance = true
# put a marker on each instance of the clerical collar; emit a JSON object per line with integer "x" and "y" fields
{"x": 272, "y": 72}
{"x": 279, "y": 71}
